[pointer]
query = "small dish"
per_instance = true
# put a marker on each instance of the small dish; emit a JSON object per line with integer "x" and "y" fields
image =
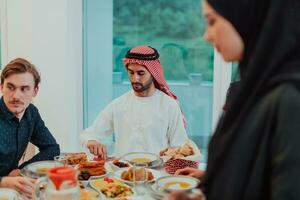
{"x": 177, "y": 183}
{"x": 116, "y": 167}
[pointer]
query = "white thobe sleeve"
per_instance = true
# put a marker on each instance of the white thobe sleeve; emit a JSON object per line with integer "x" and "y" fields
{"x": 101, "y": 127}
{"x": 176, "y": 131}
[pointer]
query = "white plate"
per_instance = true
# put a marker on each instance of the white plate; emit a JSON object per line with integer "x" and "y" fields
{"x": 156, "y": 175}
{"x": 9, "y": 194}
{"x": 98, "y": 189}
{"x": 154, "y": 160}
{"x": 94, "y": 177}
{"x": 171, "y": 183}
{"x": 100, "y": 176}
{"x": 31, "y": 170}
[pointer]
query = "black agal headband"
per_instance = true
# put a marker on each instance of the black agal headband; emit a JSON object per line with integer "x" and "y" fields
{"x": 142, "y": 56}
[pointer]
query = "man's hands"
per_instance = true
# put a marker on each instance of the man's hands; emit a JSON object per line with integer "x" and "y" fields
{"x": 23, "y": 185}
{"x": 161, "y": 153}
{"x": 188, "y": 171}
{"x": 97, "y": 148}
{"x": 15, "y": 172}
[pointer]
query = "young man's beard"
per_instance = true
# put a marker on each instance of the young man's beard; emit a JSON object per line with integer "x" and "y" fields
{"x": 142, "y": 87}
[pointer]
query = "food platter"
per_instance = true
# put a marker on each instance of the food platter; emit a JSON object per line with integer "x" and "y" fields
{"x": 155, "y": 174}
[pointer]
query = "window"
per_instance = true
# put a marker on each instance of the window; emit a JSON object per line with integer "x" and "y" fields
{"x": 235, "y": 74}
{"x": 175, "y": 28}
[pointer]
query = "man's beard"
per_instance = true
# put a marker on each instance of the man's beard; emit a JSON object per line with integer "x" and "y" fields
{"x": 142, "y": 87}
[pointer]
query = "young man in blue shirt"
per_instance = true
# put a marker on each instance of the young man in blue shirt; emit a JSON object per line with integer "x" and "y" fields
{"x": 21, "y": 123}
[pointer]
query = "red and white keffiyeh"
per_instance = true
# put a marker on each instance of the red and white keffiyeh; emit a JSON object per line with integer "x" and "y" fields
{"x": 148, "y": 57}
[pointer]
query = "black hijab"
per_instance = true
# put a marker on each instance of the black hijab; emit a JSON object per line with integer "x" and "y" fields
{"x": 270, "y": 30}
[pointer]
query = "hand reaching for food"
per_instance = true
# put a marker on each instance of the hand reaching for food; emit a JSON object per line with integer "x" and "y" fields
{"x": 188, "y": 171}
{"x": 97, "y": 149}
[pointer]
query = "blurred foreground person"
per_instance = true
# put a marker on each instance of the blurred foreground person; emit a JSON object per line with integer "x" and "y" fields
{"x": 254, "y": 153}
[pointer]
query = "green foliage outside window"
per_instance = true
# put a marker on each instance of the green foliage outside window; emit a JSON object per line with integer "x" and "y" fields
{"x": 174, "y": 27}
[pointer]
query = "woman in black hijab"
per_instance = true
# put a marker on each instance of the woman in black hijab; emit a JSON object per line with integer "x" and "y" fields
{"x": 255, "y": 151}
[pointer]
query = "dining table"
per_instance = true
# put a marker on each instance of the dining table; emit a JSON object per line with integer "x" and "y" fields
{"x": 146, "y": 193}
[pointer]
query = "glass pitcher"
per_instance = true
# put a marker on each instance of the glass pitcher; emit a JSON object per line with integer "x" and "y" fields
{"x": 60, "y": 184}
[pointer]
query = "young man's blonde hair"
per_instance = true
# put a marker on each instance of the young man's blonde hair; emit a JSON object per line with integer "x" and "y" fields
{"x": 18, "y": 66}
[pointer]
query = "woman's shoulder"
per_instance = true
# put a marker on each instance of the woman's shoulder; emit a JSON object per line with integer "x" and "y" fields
{"x": 283, "y": 96}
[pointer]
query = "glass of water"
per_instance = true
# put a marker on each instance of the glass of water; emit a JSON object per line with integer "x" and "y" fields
{"x": 140, "y": 178}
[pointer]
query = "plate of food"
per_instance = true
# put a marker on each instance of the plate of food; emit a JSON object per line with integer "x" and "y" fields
{"x": 8, "y": 194}
{"x": 112, "y": 188}
{"x": 71, "y": 159}
{"x": 172, "y": 183}
{"x": 188, "y": 150}
{"x": 118, "y": 164}
{"x": 91, "y": 169}
{"x": 39, "y": 169}
{"x": 127, "y": 175}
{"x": 152, "y": 160}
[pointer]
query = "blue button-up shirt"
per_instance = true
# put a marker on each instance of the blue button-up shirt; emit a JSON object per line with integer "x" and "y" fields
{"x": 15, "y": 136}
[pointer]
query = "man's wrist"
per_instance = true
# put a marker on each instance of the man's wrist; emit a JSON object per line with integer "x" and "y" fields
{"x": 1, "y": 177}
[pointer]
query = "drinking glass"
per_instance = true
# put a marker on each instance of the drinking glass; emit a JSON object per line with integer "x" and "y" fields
{"x": 140, "y": 178}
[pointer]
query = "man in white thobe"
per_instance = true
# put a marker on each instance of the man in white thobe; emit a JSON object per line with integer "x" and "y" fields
{"x": 146, "y": 119}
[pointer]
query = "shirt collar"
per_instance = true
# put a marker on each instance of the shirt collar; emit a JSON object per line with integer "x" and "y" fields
{"x": 4, "y": 111}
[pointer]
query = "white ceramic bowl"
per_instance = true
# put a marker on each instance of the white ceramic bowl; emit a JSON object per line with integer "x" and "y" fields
{"x": 172, "y": 183}
{"x": 153, "y": 160}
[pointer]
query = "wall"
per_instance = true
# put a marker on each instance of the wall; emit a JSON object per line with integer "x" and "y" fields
{"x": 98, "y": 60}
{"x": 49, "y": 34}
